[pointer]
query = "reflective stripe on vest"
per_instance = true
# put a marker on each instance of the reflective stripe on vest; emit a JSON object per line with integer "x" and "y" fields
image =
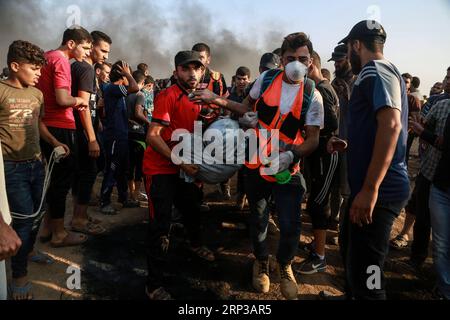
{"x": 270, "y": 118}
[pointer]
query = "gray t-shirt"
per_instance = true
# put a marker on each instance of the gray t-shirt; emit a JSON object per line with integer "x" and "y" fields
{"x": 20, "y": 110}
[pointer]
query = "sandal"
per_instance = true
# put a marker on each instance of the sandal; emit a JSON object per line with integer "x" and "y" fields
{"x": 204, "y": 253}
{"x": 41, "y": 258}
{"x": 71, "y": 240}
{"x": 25, "y": 291}
{"x": 90, "y": 229}
{"x": 400, "y": 242}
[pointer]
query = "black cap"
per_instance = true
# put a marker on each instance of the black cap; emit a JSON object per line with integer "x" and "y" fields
{"x": 270, "y": 61}
{"x": 366, "y": 29}
{"x": 339, "y": 53}
{"x": 185, "y": 57}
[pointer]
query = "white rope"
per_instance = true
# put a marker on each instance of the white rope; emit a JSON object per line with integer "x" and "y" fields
{"x": 47, "y": 179}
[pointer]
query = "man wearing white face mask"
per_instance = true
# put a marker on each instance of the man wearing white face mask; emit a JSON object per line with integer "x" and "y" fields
{"x": 287, "y": 102}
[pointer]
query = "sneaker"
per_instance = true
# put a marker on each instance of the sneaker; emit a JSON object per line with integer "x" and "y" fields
{"x": 288, "y": 284}
{"x": 129, "y": 204}
{"x": 261, "y": 280}
{"x": 312, "y": 265}
{"x": 400, "y": 242}
{"x": 108, "y": 210}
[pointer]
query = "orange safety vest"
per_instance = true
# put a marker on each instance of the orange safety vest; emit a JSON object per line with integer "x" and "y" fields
{"x": 270, "y": 118}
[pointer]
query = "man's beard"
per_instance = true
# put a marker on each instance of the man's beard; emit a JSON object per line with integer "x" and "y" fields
{"x": 355, "y": 61}
{"x": 186, "y": 84}
{"x": 344, "y": 70}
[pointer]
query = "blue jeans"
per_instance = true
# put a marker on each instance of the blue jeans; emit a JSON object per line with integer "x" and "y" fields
{"x": 440, "y": 223}
{"x": 24, "y": 186}
{"x": 288, "y": 200}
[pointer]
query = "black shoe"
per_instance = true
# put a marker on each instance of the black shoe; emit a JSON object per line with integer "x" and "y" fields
{"x": 312, "y": 265}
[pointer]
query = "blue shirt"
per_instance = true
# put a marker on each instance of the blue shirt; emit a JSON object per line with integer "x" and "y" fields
{"x": 116, "y": 124}
{"x": 379, "y": 85}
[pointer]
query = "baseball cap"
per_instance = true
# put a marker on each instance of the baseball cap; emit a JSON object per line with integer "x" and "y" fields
{"x": 366, "y": 29}
{"x": 270, "y": 61}
{"x": 185, "y": 57}
{"x": 339, "y": 53}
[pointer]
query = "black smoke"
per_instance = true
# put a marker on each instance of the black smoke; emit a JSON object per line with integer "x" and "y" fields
{"x": 140, "y": 29}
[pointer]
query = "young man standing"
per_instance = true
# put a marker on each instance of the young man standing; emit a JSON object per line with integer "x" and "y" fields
{"x": 377, "y": 169}
{"x": 84, "y": 85}
{"x": 323, "y": 168}
{"x": 55, "y": 83}
{"x": 21, "y": 110}
{"x": 116, "y": 137}
{"x": 215, "y": 82}
{"x": 165, "y": 188}
{"x": 137, "y": 128}
{"x": 288, "y": 103}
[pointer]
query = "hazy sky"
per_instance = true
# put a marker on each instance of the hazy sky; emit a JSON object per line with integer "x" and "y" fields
{"x": 241, "y": 30}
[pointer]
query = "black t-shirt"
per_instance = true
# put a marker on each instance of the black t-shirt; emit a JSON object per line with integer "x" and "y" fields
{"x": 83, "y": 79}
{"x": 330, "y": 106}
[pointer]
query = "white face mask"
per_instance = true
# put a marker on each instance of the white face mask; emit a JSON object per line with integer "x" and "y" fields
{"x": 295, "y": 71}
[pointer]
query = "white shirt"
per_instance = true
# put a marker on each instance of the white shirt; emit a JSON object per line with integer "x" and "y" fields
{"x": 315, "y": 114}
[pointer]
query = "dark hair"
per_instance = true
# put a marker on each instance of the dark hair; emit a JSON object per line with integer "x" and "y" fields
{"x": 295, "y": 41}
{"x": 77, "y": 34}
{"x": 277, "y": 52}
{"x": 243, "y": 71}
{"x": 415, "y": 82}
{"x": 98, "y": 36}
{"x": 316, "y": 60}
{"x": 200, "y": 47}
{"x": 143, "y": 67}
{"x": 407, "y": 76}
{"x": 101, "y": 65}
{"x": 139, "y": 76}
{"x": 25, "y": 52}
{"x": 326, "y": 73}
{"x": 116, "y": 74}
{"x": 448, "y": 69}
{"x": 149, "y": 80}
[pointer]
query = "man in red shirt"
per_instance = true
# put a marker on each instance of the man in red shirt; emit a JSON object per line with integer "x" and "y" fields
{"x": 55, "y": 83}
{"x": 165, "y": 188}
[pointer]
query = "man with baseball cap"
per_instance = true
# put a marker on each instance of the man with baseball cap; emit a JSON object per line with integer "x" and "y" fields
{"x": 173, "y": 110}
{"x": 379, "y": 184}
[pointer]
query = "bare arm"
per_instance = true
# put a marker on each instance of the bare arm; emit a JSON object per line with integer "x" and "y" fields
{"x": 310, "y": 144}
{"x": 86, "y": 122}
{"x": 9, "y": 241}
{"x": 140, "y": 116}
{"x": 208, "y": 97}
{"x": 155, "y": 140}
{"x": 389, "y": 128}
{"x": 64, "y": 99}
{"x": 50, "y": 139}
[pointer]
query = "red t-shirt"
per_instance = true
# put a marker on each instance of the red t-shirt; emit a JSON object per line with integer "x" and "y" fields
{"x": 56, "y": 74}
{"x": 173, "y": 110}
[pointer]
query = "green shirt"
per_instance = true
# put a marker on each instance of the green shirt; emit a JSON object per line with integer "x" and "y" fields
{"x": 20, "y": 110}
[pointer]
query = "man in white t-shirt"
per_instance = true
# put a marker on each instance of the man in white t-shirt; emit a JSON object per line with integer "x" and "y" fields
{"x": 287, "y": 102}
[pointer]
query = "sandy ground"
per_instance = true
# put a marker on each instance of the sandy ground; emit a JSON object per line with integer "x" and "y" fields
{"x": 113, "y": 265}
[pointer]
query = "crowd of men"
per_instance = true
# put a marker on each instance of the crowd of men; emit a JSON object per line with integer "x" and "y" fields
{"x": 345, "y": 144}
